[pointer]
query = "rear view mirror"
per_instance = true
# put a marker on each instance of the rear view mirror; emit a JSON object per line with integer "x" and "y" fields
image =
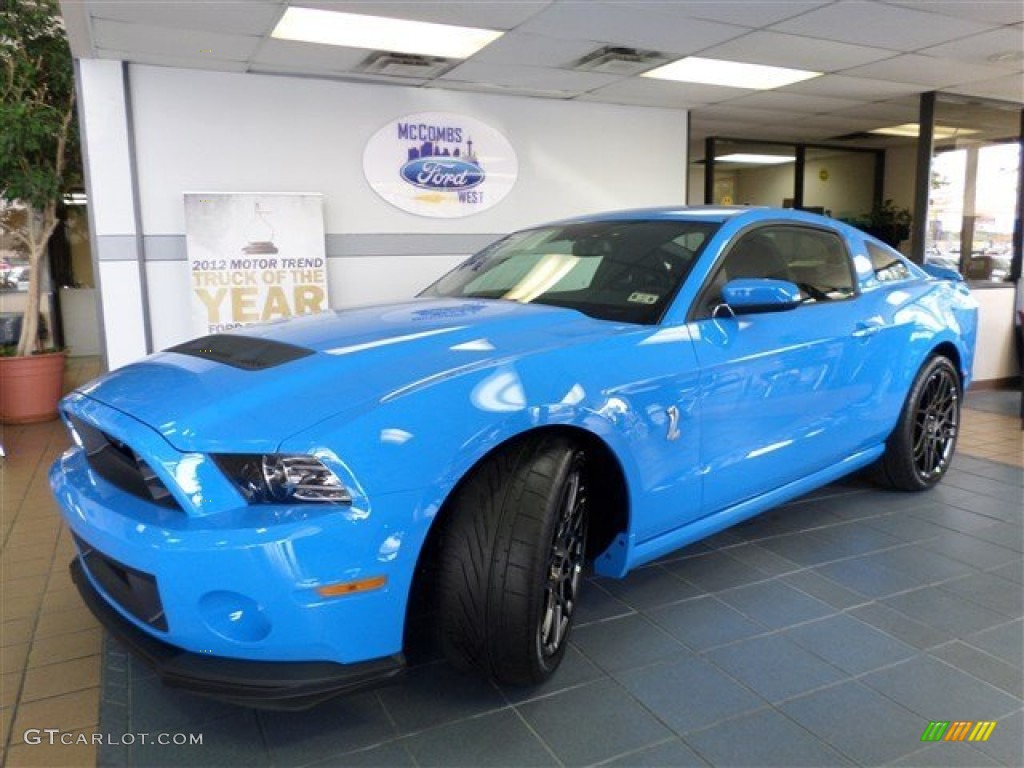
{"x": 748, "y": 296}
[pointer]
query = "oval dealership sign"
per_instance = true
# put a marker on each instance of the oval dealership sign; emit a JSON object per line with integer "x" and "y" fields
{"x": 440, "y": 164}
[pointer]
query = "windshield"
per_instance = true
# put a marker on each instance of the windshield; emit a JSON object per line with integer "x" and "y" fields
{"x": 625, "y": 271}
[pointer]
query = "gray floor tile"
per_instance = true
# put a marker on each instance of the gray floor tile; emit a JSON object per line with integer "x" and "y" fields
{"x": 826, "y": 590}
{"x": 850, "y": 644}
{"x": 631, "y": 641}
{"x": 715, "y": 570}
{"x": 613, "y": 723}
{"x": 869, "y": 579}
{"x": 1006, "y": 744}
{"x": 764, "y": 738}
{"x": 336, "y": 726}
{"x": 970, "y": 550}
{"x": 669, "y": 753}
{"x": 498, "y": 739}
{"x": 157, "y": 708}
{"x": 1010, "y": 536}
{"x": 857, "y": 538}
{"x": 805, "y": 549}
{"x": 984, "y": 666}
{"x": 1005, "y": 642}
{"x": 233, "y": 741}
{"x": 860, "y": 723}
{"x": 650, "y": 587}
{"x": 901, "y": 626}
{"x": 924, "y": 565}
{"x": 947, "y": 755}
{"x": 953, "y": 517}
{"x": 436, "y": 693}
{"x": 775, "y": 604}
{"x": 907, "y": 528}
{"x": 991, "y": 591}
{"x": 775, "y": 667}
{"x": 596, "y": 604}
{"x": 705, "y": 622}
{"x": 924, "y": 685}
{"x": 392, "y": 754}
{"x": 764, "y": 560}
{"x": 1011, "y": 572}
{"x": 574, "y": 670}
{"x": 689, "y": 694}
{"x": 931, "y": 605}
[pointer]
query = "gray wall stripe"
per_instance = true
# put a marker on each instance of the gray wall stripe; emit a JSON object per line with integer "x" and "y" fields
{"x": 172, "y": 247}
{"x": 117, "y": 248}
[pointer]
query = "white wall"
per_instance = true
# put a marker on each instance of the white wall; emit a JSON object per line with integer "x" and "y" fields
{"x": 995, "y": 356}
{"x": 211, "y": 131}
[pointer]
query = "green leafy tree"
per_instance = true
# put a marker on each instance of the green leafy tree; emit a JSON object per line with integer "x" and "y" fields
{"x": 39, "y": 151}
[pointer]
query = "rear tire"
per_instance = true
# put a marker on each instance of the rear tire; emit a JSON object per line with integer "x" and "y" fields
{"x": 511, "y": 561}
{"x": 920, "y": 449}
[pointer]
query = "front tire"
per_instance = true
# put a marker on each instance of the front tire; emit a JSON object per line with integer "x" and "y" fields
{"x": 920, "y": 449}
{"x": 512, "y": 559}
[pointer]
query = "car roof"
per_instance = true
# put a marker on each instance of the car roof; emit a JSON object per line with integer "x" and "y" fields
{"x": 717, "y": 214}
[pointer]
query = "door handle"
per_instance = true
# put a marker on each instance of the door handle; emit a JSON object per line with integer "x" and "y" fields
{"x": 866, "y": 328}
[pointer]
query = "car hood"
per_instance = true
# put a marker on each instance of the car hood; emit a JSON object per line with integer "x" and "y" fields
{"x": 350, "y": 358}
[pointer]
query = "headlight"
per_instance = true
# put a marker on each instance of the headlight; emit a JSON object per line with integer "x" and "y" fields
{"x": 283, "y": 479}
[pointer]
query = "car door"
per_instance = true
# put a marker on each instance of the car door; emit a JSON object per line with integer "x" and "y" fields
{"x": 779, "y": 390}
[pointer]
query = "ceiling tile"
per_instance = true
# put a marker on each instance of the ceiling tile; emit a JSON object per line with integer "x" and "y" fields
{"x": 794, "y": 102}
{"x": 989, "y": 11}
{"x": 660, "y": 93}
{"x": 254, "y": 17}
{"x": 183, "y": 62}
{"x": 883, "y": 26}
{"x": 486, "y": 14}
{"x": 1009, "y": 88}
{"x": 845, "y": 87}
{"x": 621, "y": 25}
{"x": 502, "y": 90}
{"x": 978, "y": 48}
{"x": 299, "y": 56}
{"x": 781, "y": 50}
{"x": 925, "y": 70}
{"x": 744, "y": 13}
{"x": 153, "y": 41}
{"x": 517, "y": 47}
{"x": 728, "y": 111}
{"x": 529, "y": 77}
{"x": 886, "y": 112}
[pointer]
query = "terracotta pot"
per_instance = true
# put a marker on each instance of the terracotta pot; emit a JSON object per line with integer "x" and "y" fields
{"x": 30, "y": 387}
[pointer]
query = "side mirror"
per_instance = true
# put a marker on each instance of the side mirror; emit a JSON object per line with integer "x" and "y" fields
{"x": 749, "y": 296}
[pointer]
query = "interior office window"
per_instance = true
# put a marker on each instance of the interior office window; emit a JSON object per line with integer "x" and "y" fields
{"x": 888, "y": 268}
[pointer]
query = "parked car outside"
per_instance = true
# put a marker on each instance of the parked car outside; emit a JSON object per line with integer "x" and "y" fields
{"x": 259, "y": 513}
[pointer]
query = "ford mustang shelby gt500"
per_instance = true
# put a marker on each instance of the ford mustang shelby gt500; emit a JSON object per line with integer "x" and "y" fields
{"x": 259, "y": 513}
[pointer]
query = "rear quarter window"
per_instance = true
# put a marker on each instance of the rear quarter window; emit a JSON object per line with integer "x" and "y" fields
{"x": 888, "y": 266}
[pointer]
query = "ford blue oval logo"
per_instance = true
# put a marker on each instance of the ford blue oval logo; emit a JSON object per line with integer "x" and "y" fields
{"x": 442, "y": 173}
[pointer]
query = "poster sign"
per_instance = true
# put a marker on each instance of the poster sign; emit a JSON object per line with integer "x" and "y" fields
{"x": 441, "y": 165}
{"x": 254, "y": 258}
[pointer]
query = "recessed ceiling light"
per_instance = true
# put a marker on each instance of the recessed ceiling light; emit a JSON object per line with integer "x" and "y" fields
{"x": 912, "y": 130}
{"x": 732, "y": 74}
{"x": 742, "y": 157}
{"x": 310, "y": 25}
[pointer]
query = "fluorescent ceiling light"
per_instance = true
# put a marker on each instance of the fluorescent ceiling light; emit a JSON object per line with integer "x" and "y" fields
{"x": 732, "y": 74}
{"x": 912, "y": 130}
{"x": 741, "y": 157}
{"x": 310, "y": 25}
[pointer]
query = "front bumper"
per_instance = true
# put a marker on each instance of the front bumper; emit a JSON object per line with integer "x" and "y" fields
{"x": 267, "y": 685}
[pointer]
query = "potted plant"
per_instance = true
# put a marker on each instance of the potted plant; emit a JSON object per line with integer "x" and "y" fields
{"x": 889, "y": 223}
{"x": 38, "y": 164}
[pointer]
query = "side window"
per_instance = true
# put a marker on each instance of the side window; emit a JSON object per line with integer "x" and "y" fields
{"x": 815, "y": 260}
{"x": 888, "y": 267}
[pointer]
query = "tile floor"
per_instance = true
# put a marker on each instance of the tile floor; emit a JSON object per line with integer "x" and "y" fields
{"x": 827, "y": 632}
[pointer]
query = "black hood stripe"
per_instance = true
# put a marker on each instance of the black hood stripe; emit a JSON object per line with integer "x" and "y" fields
{"x": 245, "y": 352}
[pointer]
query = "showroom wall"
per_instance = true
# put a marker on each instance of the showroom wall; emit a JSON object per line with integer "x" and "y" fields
{"x": 198, "y": 131}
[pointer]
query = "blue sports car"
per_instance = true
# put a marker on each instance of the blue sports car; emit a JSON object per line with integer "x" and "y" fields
{"x": 261, "y": 514}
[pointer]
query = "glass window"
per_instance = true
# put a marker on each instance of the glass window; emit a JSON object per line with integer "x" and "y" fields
{"x": 626, "y": 271}
{"x": 888, "y": 266}
{"x": 815, "y": 260}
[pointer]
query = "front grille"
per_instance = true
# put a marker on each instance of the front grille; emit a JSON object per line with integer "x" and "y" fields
{"x": 135, "y": 591}
{"x": 120, "y": 466}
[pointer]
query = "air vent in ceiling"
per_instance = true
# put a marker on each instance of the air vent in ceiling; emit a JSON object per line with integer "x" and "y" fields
{"x": 404, "y": 65}
{"x": 616, "y": 60}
